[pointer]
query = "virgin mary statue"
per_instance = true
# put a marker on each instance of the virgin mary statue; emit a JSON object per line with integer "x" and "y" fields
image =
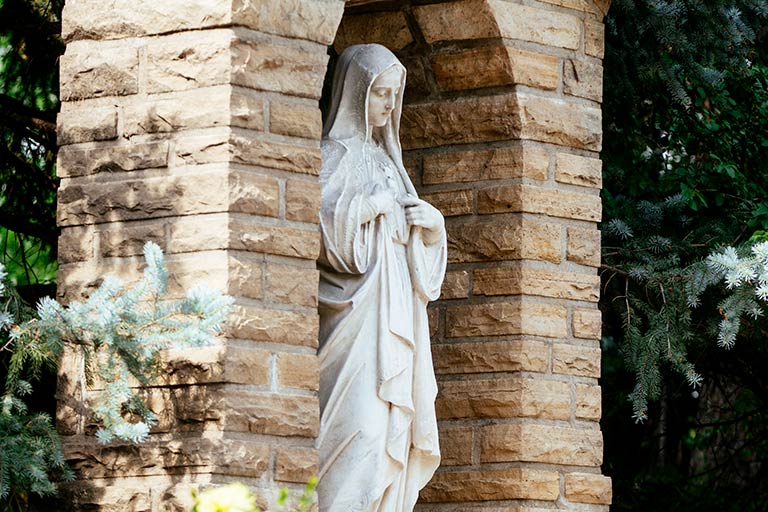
{"x": 383, "y": 258}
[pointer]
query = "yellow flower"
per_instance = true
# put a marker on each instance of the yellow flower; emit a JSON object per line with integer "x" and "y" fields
{"x": 234, "y": 497}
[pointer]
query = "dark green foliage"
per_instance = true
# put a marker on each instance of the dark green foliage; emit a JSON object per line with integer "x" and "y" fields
{"x": 30, "y": 46}
{"x": 686, "y": 147}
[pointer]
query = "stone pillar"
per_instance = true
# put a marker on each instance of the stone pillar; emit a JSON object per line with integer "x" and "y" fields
{"x": 503, "y": 130}
{"x": 196, "y": 125}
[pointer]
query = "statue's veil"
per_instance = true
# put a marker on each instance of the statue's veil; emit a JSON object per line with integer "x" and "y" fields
{"x": 357, "y": 68}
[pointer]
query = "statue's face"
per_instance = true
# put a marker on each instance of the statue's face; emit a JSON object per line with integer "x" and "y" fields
{"x": 381, "y": 101}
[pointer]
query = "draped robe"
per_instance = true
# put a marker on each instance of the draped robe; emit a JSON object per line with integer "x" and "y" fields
{"x": 378, "y": 436}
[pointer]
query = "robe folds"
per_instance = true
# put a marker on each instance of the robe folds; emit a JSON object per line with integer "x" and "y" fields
{"x": 378, "y": 435}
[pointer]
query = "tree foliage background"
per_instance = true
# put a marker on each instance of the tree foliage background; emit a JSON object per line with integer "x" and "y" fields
{"x": 686, "y": 146}
{"x": 685, "y": 151}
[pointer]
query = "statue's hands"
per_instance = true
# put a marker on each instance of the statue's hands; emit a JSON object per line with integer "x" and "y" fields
{"x": 422, "y": 214}
{"x": 380, "y": 202}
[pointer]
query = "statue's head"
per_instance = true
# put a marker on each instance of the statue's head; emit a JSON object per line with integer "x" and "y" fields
{"x": 367, "y": 97}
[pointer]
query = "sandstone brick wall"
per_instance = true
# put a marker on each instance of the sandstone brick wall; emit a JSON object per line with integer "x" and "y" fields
{"x": 503, "y": 131}
{"x": 196, "y": 125}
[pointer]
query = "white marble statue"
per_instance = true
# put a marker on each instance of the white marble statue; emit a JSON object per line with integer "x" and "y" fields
{"x": 383, "y": 258}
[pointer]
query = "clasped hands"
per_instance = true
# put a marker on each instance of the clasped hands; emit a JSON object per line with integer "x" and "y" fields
{"x": 417, "y": 212}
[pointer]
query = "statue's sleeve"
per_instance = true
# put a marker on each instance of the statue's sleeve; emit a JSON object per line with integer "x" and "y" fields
{"x": 347, "y": 240}
{"x": 428, "y": 263}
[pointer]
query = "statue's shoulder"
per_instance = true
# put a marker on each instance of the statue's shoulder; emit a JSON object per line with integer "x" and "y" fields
{"x": 332, "y": 151}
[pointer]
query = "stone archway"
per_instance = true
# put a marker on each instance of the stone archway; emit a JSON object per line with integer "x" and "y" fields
{"x": 196, "y": 125}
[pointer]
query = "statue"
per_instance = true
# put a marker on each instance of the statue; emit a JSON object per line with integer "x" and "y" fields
{"x": 383, "y": 258}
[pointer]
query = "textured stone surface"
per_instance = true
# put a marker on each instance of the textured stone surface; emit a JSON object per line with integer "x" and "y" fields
{"x": 594, "y": 38}
{"x": 386, "y": 28}
{"x": 515, "y": 316}
{"x": 504, "y": 239}
{"x": 291, "y": 285}
{"x": 295, "y": 119}
{"x": 300, "y": 371}
{"x": 86, "y": 124}
{"x": 463, "y": 120}
{"x": 528, "y": 280}
{"x": 584, "y": 79}
{"x": 278, "y": 326}
{"x": 579, "y": 170}
{"x": 302, "y": 200}
{"x": 576, "y": 360}
{"x": 492, "y": 66}
{"x": 253, "y": 193}
{"x": 295, "y": 464}
{"x": 560, "y": 122}
{"x": 250, "y": 235}
{"x": 492, "y": 164}
{"x": 451, "y": 202}
{"x": 456, "y": 445}
{"x": 128, "y": 239}
{"x": 303, "y": 19}
{"x": 490, "y": 356}
{"x": 76, "y": 244}
{"x": 540, "y": 443}
{"x": 275, "y": 155}
{"x": 92, "y": 70}
{"x": 587, "y": 323}
{"x": 216, "y": 364}
{"x": 588, "y": 402}
{"x": 588, "y": 488}
{"x": 533, "y": 199}
{"x": 584, "y": 246}
{"x": 492, "y": 485}
{"x": 188, "y": 60}
{"x": 504, "y": 398}
{"x": 455, "y": 285}
{"x": 73, "y": 161}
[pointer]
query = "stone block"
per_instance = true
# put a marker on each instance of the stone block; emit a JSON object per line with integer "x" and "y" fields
{"x": 76, "y": 244}
{"x": 456, "y": 445}
{"x": 584, "y": 246}
{"x": 503, "y": 398}
{"x": 128, "y": 239}
{"x": 88, "y": 203}
{"x": 215, "y": 364}
{"x": 74, "y": 161}
{"x": 297, "y": 19}
{"x": 272, "y": 414}
{"x": 541, "y": 443}
{"x": 291, "y": 285}
{"x": 534, "y": 199}
{"x": 199, "y": 233}
{"x": 295, "y": 120}
{"x": 493, "y": 66}
{"x": 105, "y": 496}
{"x": 481, "y": 19}
{"x": 559, "y": 122}
{"x": 523, "y": 279}
{"x": 189, "y": 60}
{"x": 576, "y": 360}
{"x": 455, "y": 285}
{"x": 302, "y": 200}
{"x": 490, "y": 356}
{"x": 587, "y": 6}
{"x": 247, "y": 110}
{"x": 588, "y": 488}
{"x": 171, "y": 112}
{"x": 583, "y": 79}
{"x": 275, "y": 155}
{"x": 451, "y": 202}
{"x": 273, "y": 325}
{"x": 181, "y": 456}
{"x": 516, "y": 316}
{"x": 386, "y": 28}
{"x": 481, "y": 165}
{"x": 295, "y": 464}
{"x": 579, "y": 170}
{"x": 244, "y": 276}
{"x": 504, "y": 239}
{"x": 492, "y": 485}
{"x": 86, "y": 124}
{"x": 92, "y": 70}
{"x": 250, "y": 235}
{"x": 282, "y": 69}
{"x": 587, "y": 324}
{"x": 301, "y": 371}
{"x": 117, "y": 19}
{"x": 594, "y": 38}
{"x": 461, "y": 121}
{"x": 588, "y": 402}
{"x": 253, "y": 193}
